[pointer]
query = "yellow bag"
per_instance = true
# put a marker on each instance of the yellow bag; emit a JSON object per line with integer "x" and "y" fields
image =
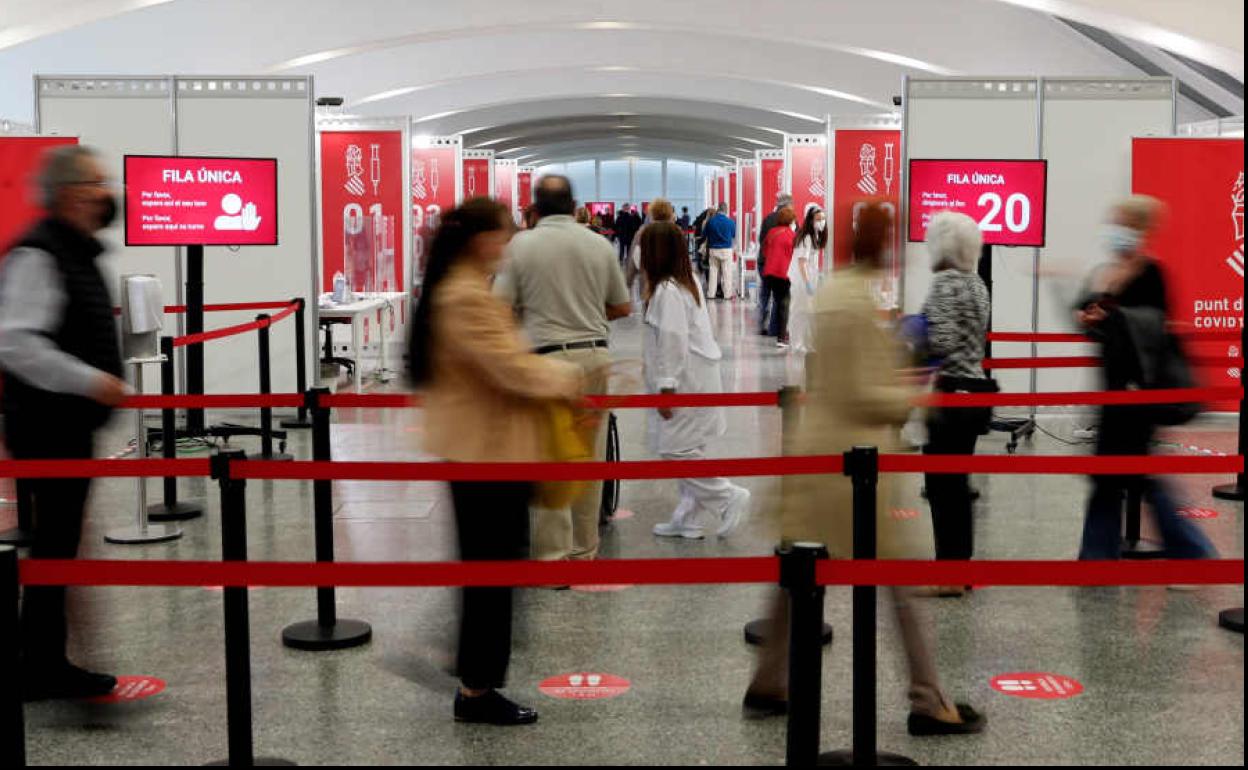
{"x": 569, "y": 438}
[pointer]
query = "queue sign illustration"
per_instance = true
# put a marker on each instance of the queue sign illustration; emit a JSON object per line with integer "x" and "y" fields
{"x": 1006, "y": 197}
{"x": 200, "y": 201}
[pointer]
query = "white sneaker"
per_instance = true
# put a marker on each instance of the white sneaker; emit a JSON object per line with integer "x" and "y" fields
{"x": 735, "y": 512}
{"x": 670, "y": 529}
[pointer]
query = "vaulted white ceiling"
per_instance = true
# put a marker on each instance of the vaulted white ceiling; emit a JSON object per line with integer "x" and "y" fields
{"x": 574, "y": 78}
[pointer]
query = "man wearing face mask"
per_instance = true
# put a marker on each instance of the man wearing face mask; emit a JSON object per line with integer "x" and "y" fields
{"x": 1126, "y": 314}
{"x": 59, "y": 355}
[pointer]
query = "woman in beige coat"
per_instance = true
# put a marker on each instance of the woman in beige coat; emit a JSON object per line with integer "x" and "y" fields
{"x": 854, "y": 398}
{"x": 486, "y": 400}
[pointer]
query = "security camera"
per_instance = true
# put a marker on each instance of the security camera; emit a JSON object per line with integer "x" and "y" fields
{"x": 896, "y": 101}
{"x": 329, "y": 101}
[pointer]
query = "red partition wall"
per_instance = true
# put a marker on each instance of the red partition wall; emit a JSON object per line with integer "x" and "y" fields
{"x": 433, "y": 191}
{"x": 504, "y": 184}
{"x": 867, "y": 167}
{"x": 524, "y": 189}
{"x": 476, "y": 177}
{"x": 771, "y": 179}
{"x": 362, "y": 200}
{"x": 734, "y": 201}
{"x": 1201, "y": 238}
{"x": 808, "y": 164}
{"x": 20, "y": 159}
{"x": 750, "y": 216}
{"x": 721, "y": 183}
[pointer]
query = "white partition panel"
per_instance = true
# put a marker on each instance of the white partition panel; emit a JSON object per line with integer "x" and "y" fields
{"x": 118, "y": 116}
{"x": 1088, "y": 126}
{"x": 975, "y": 118}
{"x": 265, "y": 118}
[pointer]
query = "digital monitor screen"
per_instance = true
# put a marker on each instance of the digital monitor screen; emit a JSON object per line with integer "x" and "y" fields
{"x": 193, "y": 201}
{"x": 1006, "y": 197}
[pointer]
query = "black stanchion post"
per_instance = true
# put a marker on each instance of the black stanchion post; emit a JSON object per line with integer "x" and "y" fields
{"x": 756, "y": 630}
{"x": 195, "y": 425}
{"x": 1236, "y": 491}
{"x": 170, "y": 509}
{"x": 12, "y": 721}
{"x": 266, "y": 387}
{"x": 237, "y": 618}
{"x": 328, "y": 631}
{"x": 862, "y": 465}
{"x": 24, "y": 533}
{"x": 301, "y": 365}
{"x": 797, "y": 577}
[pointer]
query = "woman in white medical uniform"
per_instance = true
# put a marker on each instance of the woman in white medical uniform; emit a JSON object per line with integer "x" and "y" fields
{"x": 681, "y": 356}
{"x": 804, "y": 278}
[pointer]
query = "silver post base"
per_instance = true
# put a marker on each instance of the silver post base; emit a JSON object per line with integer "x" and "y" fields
{"x": 135, "y": 535}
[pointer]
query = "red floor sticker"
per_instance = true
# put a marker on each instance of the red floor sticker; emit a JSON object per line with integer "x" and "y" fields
{"x": 595, "y": 588}
{"x": 1036, "y": 684}
{"x": 131, "y": 688}
{"x": 621, "y": 514}
{"x": 904, "y": 514}
{"x": 1190, "y": 512}
{"x": 584, "y": 686}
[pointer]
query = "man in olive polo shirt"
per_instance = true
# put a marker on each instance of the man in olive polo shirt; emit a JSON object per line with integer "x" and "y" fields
{"x": 566, "y": 283}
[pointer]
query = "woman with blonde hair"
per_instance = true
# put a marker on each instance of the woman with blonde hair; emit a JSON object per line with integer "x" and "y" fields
{"x": 660, "y": 210}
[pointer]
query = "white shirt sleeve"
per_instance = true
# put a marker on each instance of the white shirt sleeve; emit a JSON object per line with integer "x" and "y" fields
{"x": 32, "y": 303}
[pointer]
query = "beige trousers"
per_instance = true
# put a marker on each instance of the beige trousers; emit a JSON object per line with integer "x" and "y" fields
{"x": 572, "y": 533}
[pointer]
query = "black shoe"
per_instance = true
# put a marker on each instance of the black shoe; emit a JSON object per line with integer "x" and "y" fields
{"x": 65, "y": 681}
{"x": 763, "y": 706}
{"x": 972, "y": 722}
{"x": 492, "y": 709}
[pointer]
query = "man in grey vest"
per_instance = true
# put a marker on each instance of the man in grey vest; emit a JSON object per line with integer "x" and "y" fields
{"x": 61, "y": 363}
{"x": 566, "y": 284}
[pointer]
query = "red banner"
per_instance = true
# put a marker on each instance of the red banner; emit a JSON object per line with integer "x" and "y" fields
{"x": 772, "y": 184}
{"x": 867, "y": 169}
{"x": 808, "y": 164}
{"x": 504, "y": 177}
{"x": 749, "y": 207}
{"x": 362, "y": 209}
{"x": 433, "y": 191}
{"x": 178, "y": 201}
{"x": 734, "y": 200}
{"x": 601, "y": 209}
{"x": 20, "y": 159}
{"x": 1201, "y": 237}
{"x": 722, "y": 185}
{"x": 476, "y": 177}
{"x": 524, "y": 190}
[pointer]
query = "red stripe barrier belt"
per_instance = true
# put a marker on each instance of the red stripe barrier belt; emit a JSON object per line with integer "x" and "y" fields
{"x": 1064, "y": 362}
{"x": 798, "y": 465}
{"x": 1190, "y": 336}
{"x": 623, "y": 572}
{"x": 230, "y": 331}
{"x": 222, "y": 307}
{"x": 686, "y": 400}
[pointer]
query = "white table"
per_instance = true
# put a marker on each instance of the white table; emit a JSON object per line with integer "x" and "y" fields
{"x": 353, "y": 312}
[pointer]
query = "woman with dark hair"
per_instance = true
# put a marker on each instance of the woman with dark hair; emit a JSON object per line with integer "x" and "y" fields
{"x": 486, "y": 400}
{"x": 681, "y": 356}
{"x": 803, "y": 276}
{"x": 777, "y": 254}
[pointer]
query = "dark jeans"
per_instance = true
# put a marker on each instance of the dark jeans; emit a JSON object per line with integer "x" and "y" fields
{"x": 764, "y": 303}
{"x": 624, "y": 246}
{"x": 779, "y": 289}
{"x": 58, "y": 506}
{"x": 1102, "y": 525}
{"x": 952, "y": 432}
{"x": 492, "y": 519}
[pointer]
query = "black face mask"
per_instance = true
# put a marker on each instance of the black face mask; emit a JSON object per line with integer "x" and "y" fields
{"x": 108, "y": 214}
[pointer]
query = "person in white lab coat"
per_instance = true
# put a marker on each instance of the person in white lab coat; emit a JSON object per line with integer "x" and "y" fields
{"x": 681, "y": 356}
{"x": 804, "y": 278}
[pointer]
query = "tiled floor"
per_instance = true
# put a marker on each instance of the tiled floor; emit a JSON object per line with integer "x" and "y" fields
{"x": 1161, "y": 683}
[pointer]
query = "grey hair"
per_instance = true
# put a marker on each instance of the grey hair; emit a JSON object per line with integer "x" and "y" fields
{"x": 722, "y": 207}
{"x": 784, "y": 199}
{"x": 953, "y": 240}
{"x": 62, "y": 166}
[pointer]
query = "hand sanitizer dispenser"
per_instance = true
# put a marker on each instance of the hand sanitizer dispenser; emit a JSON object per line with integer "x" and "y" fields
{"x": 142, "y": 317}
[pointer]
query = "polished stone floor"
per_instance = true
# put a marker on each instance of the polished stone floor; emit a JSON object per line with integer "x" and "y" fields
{"x": 1162, "y": 684}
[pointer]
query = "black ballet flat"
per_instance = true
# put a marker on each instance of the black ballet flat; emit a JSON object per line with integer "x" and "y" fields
{"x": 763, "y": 706}
{"x": 972, "y": 722}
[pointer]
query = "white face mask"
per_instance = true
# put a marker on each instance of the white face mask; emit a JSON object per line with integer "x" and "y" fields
{"x": 1120, "y": 239}
{"x": 820, "y": 224}
{"x": 793, "y": 226}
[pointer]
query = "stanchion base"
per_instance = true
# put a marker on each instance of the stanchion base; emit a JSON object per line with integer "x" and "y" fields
{"x": 257, "y": 762}
{"x": 1142, "y": 549}
{"x": 311, "y": 635}
{"x": 845, "y": 758}
{"x": 132, "y": 535}
{"x": 17, "y": 536}
{"x": 1232, "y": 620}
{"x": 756, "y": 632}
{"x": 296, "y": 423}
{"x": 1228, "y": 492}
{"x": 175, "y": 512}
{"x": 278, "y": 456}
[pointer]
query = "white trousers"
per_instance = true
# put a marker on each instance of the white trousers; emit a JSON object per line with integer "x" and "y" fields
{"x": 721, "y": 264}
{"x": 697, "y": 495}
